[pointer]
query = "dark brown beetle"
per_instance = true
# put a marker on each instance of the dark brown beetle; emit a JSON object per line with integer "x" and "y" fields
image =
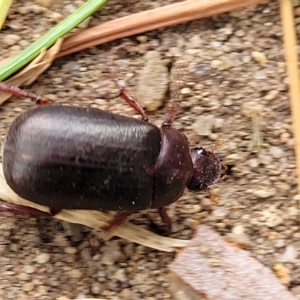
{"x": 68, "y": 157}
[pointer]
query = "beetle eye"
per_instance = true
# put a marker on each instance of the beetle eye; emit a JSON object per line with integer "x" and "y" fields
{"x": 199, "y": 151}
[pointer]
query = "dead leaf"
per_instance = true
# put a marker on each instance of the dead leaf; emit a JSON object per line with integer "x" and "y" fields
{"x": 32, "y": 71}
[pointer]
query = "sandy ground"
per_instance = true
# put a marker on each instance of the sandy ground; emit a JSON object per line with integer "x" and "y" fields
{"x": 235, "y": 69}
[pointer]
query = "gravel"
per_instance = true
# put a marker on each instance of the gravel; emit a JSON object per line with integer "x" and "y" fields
{"x": 235, "y": 67}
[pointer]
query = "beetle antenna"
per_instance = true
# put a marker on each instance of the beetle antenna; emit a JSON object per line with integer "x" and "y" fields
{"x": 132, "y": 101}
{"x": 218, "y": 144}
{"x": 13, "y": 90}
{"x": 175, "y": 95}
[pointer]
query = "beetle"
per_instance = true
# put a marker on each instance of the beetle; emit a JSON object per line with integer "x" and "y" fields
{"x": 68, "y": 157}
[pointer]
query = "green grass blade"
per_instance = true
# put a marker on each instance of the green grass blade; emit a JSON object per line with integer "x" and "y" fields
{"x": 47, "y": 40}
{"x": 4, "y": 8}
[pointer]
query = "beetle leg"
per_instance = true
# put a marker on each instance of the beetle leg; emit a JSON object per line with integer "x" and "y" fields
{"x": 10, "y": 207}
{"x": 223, "y": 178}
{"x": 175, "y": 98}
{"x": 54, "y": 211}
{"x": 133, "y": 102}
{"x": 117, "y": 220}
{"x": 164, "y": 216}
{"x": 171, "y": 114}
{"x": 40, "y": 100}
{"x": 225, "y": 168}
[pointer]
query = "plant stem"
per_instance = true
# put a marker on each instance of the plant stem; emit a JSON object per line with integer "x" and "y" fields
{"x": 47, "y": 40}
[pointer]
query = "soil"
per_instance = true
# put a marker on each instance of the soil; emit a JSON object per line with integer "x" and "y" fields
{"x": 235, "y": 90}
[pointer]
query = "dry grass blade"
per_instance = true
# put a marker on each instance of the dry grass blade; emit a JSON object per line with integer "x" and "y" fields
{"x": 4, "y": 8}
{"x": 168, "y": 15}
{"x": 29, "y": 74}
{"x": 256, "y": 140}
{"x": 289, "y": 37}
{"x": 96, "y": 220}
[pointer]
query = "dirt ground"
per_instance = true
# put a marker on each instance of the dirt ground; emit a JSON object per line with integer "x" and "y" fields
{"x": 235, "y": 87}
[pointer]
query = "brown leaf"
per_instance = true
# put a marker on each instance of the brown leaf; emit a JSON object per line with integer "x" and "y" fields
{"x": 32, "y": 71}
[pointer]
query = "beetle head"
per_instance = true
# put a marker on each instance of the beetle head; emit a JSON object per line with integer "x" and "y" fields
{"x": 207, "y": 169}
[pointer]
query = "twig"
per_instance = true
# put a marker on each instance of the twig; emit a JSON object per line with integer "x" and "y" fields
{"x": 289, "y": 37}
{"x": 168, "y": 15}
{"x": 256, "y": 140}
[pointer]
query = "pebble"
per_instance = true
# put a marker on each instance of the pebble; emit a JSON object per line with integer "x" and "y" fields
{"x": 45, "y": 3}
{"x": 23, "y": 276}
{"x": 14, "y": 24}
{"x": 260, "y": 75}
{"x": 280, "y": 243}
{"x": 153, "y": 82}
{"x": 42, "y": 289}
{"x": 216, "y": 44}
{"x": 217, "y": 64}
{"x": 264, "y": 193}
{"x": 227, "y": 102}
{"x": 202, "y": 70}
{"x": 290, "y": 253}
{"x": 276, "y": 152}
{"x": 240, "y": 239}
{"x": 272, "y": 219}
{"x": 185, "y": 91}
{"x": 259, "y": 57}
{"x": 28, "y": 286}
{"x": 11, "y": 39}
{"x": 233, "y": 159}
{"x": 198, "y": 110}
{"x": 75, "y": 273}
{"x": 58, "y": 17}
{"x": 70, "y": 250}
{"x": 43, "y": 258}
{"x": 111, "y": 253}
{"x": 29, "y": 269}
{"x": 220, "y": 212}
{"x": 121, "y": 275}
{"x": 203, "y": 125}
{"x": 240, "y": 33}
{"x": 296, "y": 291}
{"x": 253, "y": 162}
{"x": 218, "y": 124}
{"x": 238, "y": 229}
{"x": 96, "y": 288}
{"x": 272, "y": 95}
{"x": 129, "y": 249}
{"x": 142, "y": 38}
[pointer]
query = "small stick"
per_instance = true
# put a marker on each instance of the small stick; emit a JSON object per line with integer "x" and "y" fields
{"x": 256, "y": 140}
{"x": 289, "y": 38}
{"x": 180, "y": 12}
